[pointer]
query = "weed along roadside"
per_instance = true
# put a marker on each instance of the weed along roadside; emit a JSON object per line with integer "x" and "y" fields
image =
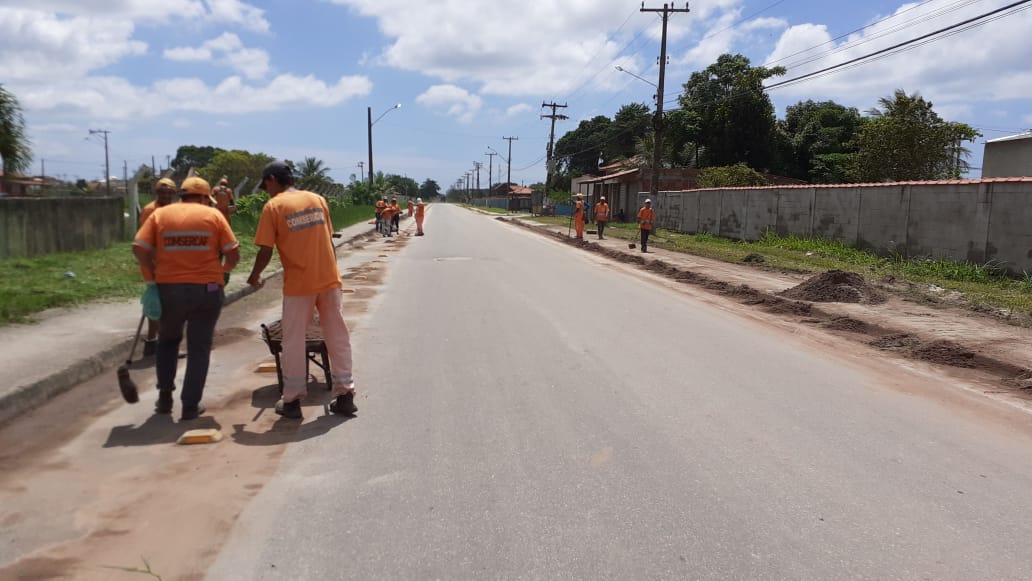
{"x": 984, "y": 288}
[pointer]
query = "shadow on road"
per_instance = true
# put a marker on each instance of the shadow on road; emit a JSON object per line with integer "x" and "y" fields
{"x": 157, "y": 429}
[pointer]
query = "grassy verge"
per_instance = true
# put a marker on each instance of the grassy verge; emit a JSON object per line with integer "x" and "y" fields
{"x": 981, "y": 285}
{"x": 31, "y": 285}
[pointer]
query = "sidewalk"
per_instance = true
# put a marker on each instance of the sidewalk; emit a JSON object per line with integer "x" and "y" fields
{"x": 67, "y": 346}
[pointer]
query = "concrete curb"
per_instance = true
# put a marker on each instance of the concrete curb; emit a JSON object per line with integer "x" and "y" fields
{"x": 26, "y": 397}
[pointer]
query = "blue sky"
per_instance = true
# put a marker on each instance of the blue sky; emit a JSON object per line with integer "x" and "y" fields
{"x": 293, "y": 78}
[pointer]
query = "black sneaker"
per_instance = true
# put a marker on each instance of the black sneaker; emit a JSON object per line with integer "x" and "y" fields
{"x": 192, "y": 413}
{"x": 150, "y": 347}
{"x": 290, "y": 409}
{"x": 344, "y": 404}
{"x": 164, "y": 403}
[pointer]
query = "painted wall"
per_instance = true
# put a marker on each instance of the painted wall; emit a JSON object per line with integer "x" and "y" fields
{"x": 36, "y": 226}
{"x": 966, "y": 220}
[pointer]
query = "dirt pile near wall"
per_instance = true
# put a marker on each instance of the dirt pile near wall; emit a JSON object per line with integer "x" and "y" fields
{"x": 835, "y": 286}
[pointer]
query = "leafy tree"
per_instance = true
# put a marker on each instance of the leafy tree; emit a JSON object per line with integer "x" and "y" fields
{"x": 814, "y": 135}
{"x": 630, "y": 124}
{"x": 14, "y": 144}
{"x": 401, "y": 185}
{"x": 235, "y": 165}
{"x": 905, "y": 139}
{"x": 738, "y": 175}
{"x": 313, "y": 174}
{"x": 578, "y": 152}
{"x": 681, "y": 133}
{"x": 429, "y": 189}
{"x": 192, "y": 156}
{"x": 735, "y": 116}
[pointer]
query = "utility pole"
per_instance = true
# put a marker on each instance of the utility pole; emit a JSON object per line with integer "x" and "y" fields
{"x": 361, "y": 170}
{"x": 107, "y": 163}
{"x": 42, "y": 171}
{"x": 125, "y": 177}
{"x": 490, "y": 165}
{"x": 477, "y": 165}
{"x": 657, "y": 121}
{"x": 508, "y": 177}
{"x": 549, "y": 162}
{"x": 153, "y": 169}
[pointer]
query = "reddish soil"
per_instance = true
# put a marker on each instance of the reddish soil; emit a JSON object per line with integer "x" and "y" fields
{"x": 836, "y": 286}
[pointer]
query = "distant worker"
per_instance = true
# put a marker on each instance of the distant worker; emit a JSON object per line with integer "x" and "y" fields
{"x": 187, "y": 249}
{"x": 164, "y": 193}
{"x": 380, "y": 206}
{"x": 601, "y": 216}
{"x": 578, "y": 216}
{"x": 224, "y": 201}
{"x": 410, "y": 207}
{"x": 395, "y": 215}
{"x": 387, "y": 218}
{"x": 646, "y": 216}
{"x": 420, "y": 214}
{"x": 297, "y": 224}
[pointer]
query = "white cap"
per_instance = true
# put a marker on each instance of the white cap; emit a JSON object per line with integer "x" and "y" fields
{"x": 419, "y": 200}
{"x": 648, "y": 201}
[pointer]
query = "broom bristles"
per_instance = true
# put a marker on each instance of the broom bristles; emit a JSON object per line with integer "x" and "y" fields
{"x": 127, "y": 386}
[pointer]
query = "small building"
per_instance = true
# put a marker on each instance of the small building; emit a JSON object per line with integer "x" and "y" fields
{"x": 1008, "y": 157}
{"x": 518, "y": 198}
{"x": 19, "y": 186}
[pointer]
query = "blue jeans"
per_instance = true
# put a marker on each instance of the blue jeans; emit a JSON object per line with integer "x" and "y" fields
{"x": 197, "y": 307}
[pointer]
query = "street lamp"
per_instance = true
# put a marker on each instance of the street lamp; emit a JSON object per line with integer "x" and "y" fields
{"x": 623, "y": 70}
{"x": 369, "y": 111}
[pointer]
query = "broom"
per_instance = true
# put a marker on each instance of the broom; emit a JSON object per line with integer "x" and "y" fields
{"x": 125, "y": 383}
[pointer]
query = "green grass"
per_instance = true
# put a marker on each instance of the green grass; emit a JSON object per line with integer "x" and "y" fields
{"x": 982, "y": 285}
{"x": 31, "y": 285}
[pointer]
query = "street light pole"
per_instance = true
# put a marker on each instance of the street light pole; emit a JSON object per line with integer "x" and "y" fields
{"x": 369, "y": 113}
{"x": 657, "y": 122}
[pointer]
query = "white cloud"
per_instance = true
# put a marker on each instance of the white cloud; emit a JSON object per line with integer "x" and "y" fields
{"x": 953, "y": 73}
{"x": 452, "y": 100}
{"x": 237, "y": 12}
{"x": 36, "y": 46}
{"x": 518, "y": 110}
{"x": 118, "y": 99}
{"x": 228, "y": 50}
{"x": 182, "y": 124}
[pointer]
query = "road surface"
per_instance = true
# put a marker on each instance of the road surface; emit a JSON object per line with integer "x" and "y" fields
{"x": 531, "y": 411}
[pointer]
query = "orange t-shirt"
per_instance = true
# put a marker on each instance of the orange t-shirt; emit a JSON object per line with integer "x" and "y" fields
{"x": 188, "y": 241}
{"x": 380, "y": 205}
{"x": 601, "y": 212}
{"x": 223, "y": 198}
{"x": 420, "y": 210}
{"x": 147, "y": 211}
{"x": 646, "y": 216}
{"x": 578, "y": 211}
{"x": 387, "y": 212}
{"x": 297, "y": 224}
{"x": 395, "y": 209}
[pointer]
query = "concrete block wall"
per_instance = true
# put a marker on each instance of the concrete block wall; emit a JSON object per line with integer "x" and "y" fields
{"x": 37, "y": 226}
{"x": 974, "y": 221}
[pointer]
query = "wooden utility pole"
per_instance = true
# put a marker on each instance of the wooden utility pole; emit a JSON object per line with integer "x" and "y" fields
{"x": 107, "y": 162}
{"x": 508, "y": 176}
{"x": 477, "y": 165}
{"x": 549, "y": 161}
{"x": 490, "y": 166}
{"x": 657, "y": 121}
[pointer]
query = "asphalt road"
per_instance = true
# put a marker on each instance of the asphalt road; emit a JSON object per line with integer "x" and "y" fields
{"x": 532, "y": 411}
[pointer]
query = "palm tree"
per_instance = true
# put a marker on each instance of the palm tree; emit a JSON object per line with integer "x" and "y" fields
{"x": 313, "y": 173}
{"x": 14, "y": 145}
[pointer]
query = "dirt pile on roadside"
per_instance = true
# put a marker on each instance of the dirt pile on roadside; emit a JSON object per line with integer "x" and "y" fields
{"x": 835, "y": 286}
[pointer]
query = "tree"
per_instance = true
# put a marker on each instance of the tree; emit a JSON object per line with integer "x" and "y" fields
{"x": 401, "y": 185}
{"x": 735, "y": 116}
{"x": 738, "y": 175}
{"x": 429, "y": 189}
{"x": 905, "y": 139}
{"x": 235, "y": 165}
{"x": 313, "y": 174}
{"x": 578, "y": 151}
{"x": 14, "y": 144}
{"x": 630, "y": 124}
{"x": 192, "y": 156}
{"x": 814, "y": 136}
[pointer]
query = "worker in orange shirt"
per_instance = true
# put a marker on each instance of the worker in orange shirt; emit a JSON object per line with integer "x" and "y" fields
{"x": 187, "y": 249}
{"x": 410, "y": 205}
{"x": 395, "y": 215}
{"x": 386, "y": 218}
{"x": 224, "y": 201}
{"x": 420, "y": 214}
{"x": 646, "y": 217}
{"x": 578, "y": 216}
{"x": 164, "y": 193}
{"x": 297, "y": 223}
{"x": 380, "y": 206}
{"x": 601, "y": 216}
